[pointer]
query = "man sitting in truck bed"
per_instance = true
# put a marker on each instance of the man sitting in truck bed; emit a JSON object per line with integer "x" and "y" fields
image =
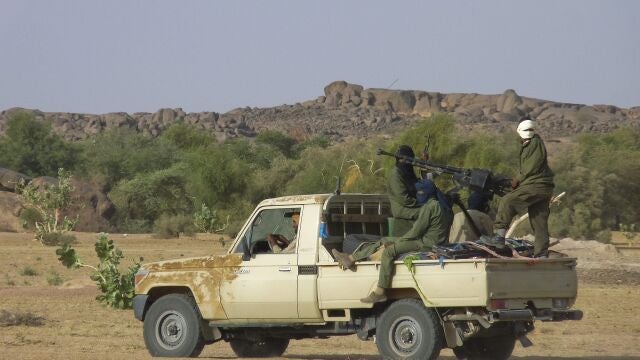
{"x": 431, "y": 228}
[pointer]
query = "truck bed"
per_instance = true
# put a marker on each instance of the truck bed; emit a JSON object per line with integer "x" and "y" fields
{"x": 456, "y": 283}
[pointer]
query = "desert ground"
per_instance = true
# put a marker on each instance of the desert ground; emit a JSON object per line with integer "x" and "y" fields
{"x": 73, "y": 325}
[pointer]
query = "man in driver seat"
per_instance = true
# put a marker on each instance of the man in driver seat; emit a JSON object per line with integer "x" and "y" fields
{"x": 279, "y": 243}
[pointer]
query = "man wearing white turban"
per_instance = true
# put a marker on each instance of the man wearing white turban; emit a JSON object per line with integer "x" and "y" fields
{"x": 533, "y": 188}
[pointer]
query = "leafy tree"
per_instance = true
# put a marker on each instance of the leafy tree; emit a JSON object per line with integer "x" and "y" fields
{"x": 149, "y": 195}
{"x": 31, "y": 148}
{"x": 184, "y": 136}
{"x": 122, "y": 154}
{"x": 278, "y": 140}
{"x": 117, "y": 288}
{"x": 50, "y": 202}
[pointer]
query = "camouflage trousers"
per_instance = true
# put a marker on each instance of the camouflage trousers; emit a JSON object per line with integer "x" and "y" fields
{"x": 533, "y": 199}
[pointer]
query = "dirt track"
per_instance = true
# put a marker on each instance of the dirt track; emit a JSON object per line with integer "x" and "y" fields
{"x": 77, "y": 327}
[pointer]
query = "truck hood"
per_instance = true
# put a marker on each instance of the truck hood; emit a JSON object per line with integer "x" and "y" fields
{"x": 202, "y": 262}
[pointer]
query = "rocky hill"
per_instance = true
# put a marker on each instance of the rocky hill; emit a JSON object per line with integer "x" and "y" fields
{"x": 348, "y": 110}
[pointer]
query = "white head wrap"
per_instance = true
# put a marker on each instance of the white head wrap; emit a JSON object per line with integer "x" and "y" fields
{"x": 526, "y": 129}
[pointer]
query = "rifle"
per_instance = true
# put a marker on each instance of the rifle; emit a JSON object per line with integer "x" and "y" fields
{"x": 480, "y": 180}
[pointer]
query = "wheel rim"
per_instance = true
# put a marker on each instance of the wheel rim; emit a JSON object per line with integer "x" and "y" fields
{"x": 171, "y": 329}
{"x": 405, "y": 336}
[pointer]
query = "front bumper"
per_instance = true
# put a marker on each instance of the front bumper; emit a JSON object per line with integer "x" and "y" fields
{"x": 139, "y": 306}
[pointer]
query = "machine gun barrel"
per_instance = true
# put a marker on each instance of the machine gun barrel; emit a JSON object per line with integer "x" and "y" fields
{"x": 481, "y": 180}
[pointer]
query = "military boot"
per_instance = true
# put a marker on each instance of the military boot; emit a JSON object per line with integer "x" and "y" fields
{"x": 376, "y": 296}
{"x": 343, "y": 259}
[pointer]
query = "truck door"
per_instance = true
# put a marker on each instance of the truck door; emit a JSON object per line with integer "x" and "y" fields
{"x": 266, "y": 284}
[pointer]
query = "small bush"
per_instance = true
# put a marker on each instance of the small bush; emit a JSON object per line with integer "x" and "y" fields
{"x": 9, "y": 281}
{"x": 168, "y": 226}
{"x": 58, "y": 239}
{"x": 8, "y": 318}
{"x": 54, "y": 279}
{"x": 135, "y": 226}
{"x": 28, "y": 271}
{"x": 29, "y": 217}
{"x": 604, "y": 236}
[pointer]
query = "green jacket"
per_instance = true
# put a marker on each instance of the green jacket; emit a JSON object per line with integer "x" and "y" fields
{"x": 402, "y": 204}
{"x": 432, "y": 225}
{"x": 533, "y": 163}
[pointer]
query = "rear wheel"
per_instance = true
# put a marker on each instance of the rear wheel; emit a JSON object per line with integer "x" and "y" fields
{"x": 172, "y": 327}
{"x": 409, "y": 330}
{"x": 267, "y": 347}
{"x": 487, "y": 348}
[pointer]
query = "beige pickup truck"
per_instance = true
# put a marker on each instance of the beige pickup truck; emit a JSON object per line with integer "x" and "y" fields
{"x": 258, "y": 299}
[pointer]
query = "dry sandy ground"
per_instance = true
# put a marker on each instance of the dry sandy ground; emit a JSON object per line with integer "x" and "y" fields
{"x": 77, "y": 327}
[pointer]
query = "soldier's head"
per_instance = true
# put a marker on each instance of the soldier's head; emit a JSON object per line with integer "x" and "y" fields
{"x": 526, "y": 129}
{"x": 478, "y": 201}
{"x": 405, "y": 150}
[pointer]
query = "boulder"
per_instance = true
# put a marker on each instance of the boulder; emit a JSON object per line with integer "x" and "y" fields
{"x": 9, "y": 179}
{"x": 10, "y": 208}
{"x": 401, "y": 101}
{"x": 508, "y": 101}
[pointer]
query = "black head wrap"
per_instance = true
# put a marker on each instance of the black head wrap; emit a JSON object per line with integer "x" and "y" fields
{"x": 427, "y": 189}
{"x": 406, "y": 170}
{"x": 478, "y": 201}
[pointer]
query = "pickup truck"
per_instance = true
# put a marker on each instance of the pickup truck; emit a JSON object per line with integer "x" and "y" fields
{"x": 258, "y": 300}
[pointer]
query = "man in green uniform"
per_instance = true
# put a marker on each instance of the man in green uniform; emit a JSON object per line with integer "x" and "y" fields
{"x": 533, "y": 188}
{"x": 430, "y": 228}
{"x": 401, "y": 187}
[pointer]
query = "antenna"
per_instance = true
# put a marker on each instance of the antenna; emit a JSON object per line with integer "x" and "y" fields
{"x": 338, "y": 190}
{"x": 390, "y": 85}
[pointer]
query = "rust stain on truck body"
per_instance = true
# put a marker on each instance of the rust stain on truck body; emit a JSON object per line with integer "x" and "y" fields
{"x": 203, "y": 275}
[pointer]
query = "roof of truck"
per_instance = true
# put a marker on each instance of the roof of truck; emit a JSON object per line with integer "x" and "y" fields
{"x": 315, "y": 199}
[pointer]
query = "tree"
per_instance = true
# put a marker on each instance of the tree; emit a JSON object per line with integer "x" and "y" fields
{"x": 50, "y": 202}
{"x": 31, "y": 148}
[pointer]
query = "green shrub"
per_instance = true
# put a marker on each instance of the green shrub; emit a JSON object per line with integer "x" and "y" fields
{"x": 58, "y": 239}
{"x": 28, "y": 271}
{"x": 117, "y": 288}
{"x": 168, "y": 226}
{"x": 29, "y": 217}
{"x": 54, "y": 279}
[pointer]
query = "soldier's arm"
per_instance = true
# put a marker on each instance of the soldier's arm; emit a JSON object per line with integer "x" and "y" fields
{"x": 399, "y": 192}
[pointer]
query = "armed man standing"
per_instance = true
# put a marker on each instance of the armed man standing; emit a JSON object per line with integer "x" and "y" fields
{"x": 533, "y": 188}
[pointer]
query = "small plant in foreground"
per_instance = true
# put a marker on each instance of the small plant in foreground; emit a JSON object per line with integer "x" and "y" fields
{"x": 117, "y": 288}
{"x": 54, "y": 279}
{"x": 28, "y": 271}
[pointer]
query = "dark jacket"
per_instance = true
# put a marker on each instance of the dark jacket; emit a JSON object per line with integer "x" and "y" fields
{"x": 533, "y": 163}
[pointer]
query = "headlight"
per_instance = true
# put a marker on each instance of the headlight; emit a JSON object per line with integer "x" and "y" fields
{"x": 140, "y": 275}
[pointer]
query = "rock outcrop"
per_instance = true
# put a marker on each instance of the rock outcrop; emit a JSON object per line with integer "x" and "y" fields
{"x": 349, "y": 110}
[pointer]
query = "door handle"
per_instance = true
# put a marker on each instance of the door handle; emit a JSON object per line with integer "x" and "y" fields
{"x": 284, "y": 268}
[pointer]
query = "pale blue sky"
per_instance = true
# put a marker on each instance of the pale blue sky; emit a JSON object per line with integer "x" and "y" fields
{"x": 104, "y": 56}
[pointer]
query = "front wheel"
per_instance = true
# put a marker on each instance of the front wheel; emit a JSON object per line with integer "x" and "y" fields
{"x": 409, "y": 330}
{"x": 172, "y": 327}
{"x": 487, "y": 348}
{"x": 267, "y": 347}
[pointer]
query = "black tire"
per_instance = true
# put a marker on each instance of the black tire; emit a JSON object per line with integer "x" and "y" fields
{"x": 488, "y": 348}
{"x": 409, "y": 330}
{"x": 268, "y": 347}
{"x": 172, "y": 327}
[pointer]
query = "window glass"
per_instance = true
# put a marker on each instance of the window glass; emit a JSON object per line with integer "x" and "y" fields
{"x": 268, "y": 221}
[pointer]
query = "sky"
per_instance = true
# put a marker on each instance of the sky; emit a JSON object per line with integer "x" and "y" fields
{"x": 107, "y": 56}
